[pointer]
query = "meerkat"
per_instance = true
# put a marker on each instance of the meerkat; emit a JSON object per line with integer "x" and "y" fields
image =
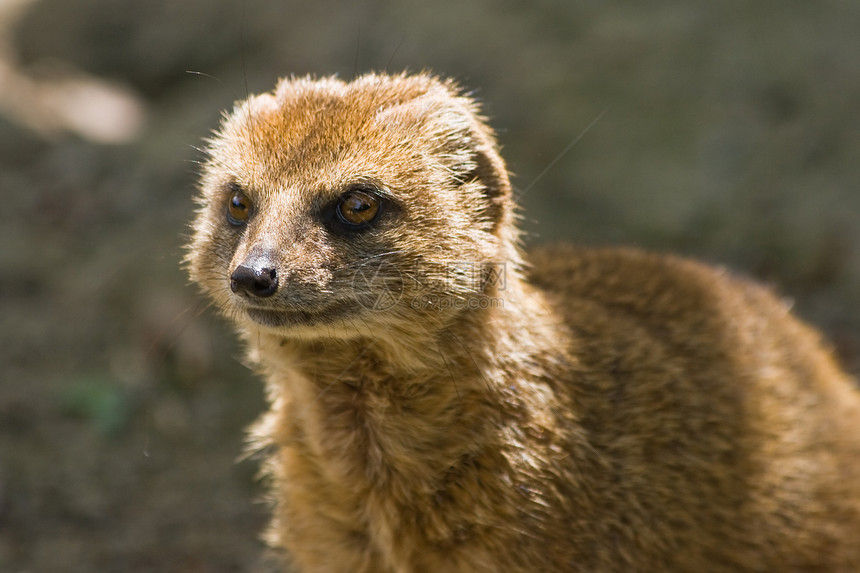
{"x": 438, "y": 404}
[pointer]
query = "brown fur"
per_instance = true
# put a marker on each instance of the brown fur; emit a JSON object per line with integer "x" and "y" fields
{"x": 603, "y": 410}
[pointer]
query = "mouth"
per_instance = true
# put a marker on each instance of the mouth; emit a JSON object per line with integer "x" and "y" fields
{"x": 285, "y": 318}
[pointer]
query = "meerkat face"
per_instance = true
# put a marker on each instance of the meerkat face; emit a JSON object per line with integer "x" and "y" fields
{"x": 328, "y": 208}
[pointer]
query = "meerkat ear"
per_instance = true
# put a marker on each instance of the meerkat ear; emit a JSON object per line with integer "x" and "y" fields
{"x": 467, "y": 145}
{"x": 471, "y": 151}
{"x": 491, "y": 172}
{"x": 486, "y": 167}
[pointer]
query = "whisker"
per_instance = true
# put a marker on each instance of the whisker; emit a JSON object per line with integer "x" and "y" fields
{"x": 448, "y": 367}
{"x": 470, "y": 355}
{"x": 340, "y": 376}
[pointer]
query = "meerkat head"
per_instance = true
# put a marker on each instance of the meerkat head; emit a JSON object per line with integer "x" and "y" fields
{"x": 329, "y": 208}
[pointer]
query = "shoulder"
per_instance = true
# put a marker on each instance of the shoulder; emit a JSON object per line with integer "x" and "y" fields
{"x": 667, "y": 293}
{"x": 625, "y": 274}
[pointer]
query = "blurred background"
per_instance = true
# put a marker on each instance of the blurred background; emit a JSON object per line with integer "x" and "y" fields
{"x": 727, "y": 131}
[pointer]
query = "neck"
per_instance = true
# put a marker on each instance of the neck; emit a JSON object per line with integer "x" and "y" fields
{"x": 410, "y": 404}
{"x": 365, "y": 443}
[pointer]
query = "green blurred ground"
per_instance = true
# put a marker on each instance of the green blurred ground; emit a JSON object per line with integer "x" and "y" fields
{"x": 730, "y": 132}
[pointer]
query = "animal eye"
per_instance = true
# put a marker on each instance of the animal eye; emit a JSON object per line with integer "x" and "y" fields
{"x": 238, "y": 208}
{"x": 357, "y": 208}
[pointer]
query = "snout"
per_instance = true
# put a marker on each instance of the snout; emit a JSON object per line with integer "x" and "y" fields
{"x": 255, "y": 277}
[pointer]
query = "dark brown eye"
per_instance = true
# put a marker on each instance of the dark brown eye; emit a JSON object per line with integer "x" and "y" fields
{"x": 238, "y": 208}
{"x": 357, "y": 208}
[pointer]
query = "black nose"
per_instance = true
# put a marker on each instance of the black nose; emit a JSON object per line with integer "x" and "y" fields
{"x": 252, "y": 280}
